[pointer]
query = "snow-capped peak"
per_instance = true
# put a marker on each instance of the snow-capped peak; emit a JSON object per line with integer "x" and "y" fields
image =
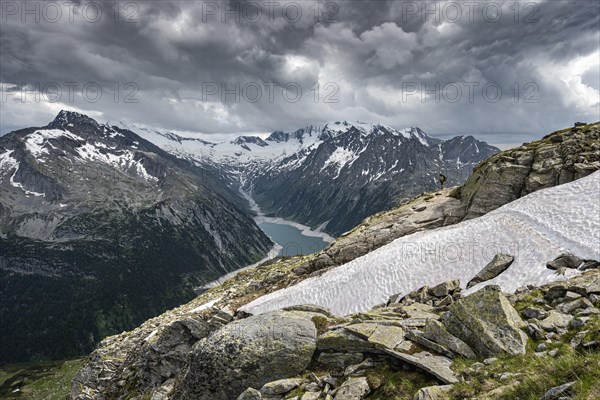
{"x": 66, "y": 119}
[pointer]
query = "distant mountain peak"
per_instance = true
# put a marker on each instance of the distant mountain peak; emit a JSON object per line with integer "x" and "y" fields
{"x": 241, "y": 140}
{"x": 66, "y": 119}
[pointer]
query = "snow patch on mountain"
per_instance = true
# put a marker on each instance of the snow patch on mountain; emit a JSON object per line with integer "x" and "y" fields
{"x": 120, "y": 159}
{"x": 535, "y": 229}
{"x": 340, "y": 158}
{"x": 8, "y": 163}
{"x": 39, "y": 145}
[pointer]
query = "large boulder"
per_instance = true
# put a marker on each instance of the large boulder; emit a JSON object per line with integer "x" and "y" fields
{"x": 488, "y": 323}
{"x": 249, "y": 353}
{"x": 498, "y": 265}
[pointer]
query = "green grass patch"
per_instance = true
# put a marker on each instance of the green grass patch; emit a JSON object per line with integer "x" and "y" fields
{"x": 49, "y": 380}
{"x": 393, "y": 384}
{"x": 538, "y": 374}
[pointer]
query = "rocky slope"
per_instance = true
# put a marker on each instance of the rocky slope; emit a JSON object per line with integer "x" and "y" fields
{"x": 100, "y": 230}
{"x": 153, "y": 360}
{"x": 558, "y": 158}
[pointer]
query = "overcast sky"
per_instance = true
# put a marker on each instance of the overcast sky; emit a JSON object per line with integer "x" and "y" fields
{"x": 505, "y": 72}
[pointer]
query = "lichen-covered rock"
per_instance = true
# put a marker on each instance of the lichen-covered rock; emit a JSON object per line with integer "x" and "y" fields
{"x": 432, "y": 392}
{"x": 556, "y": 321}
{"x": 249, "y": 353}
{"x": 311, "y": 396}
{"x": 280, "y": 387}
{"x": 498, "y": 265}
{"x": 341, "y": 339}
{"x": 353, "y": 389}
{"x": 436, "y": 332}
{"x": 437, "y": 366}
{"x": 487, "y": 322}
{"x": 250, "y": 394}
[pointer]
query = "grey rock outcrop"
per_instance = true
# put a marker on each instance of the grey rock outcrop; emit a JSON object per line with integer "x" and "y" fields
{"x": 560, "y": 157}
{"x": 559, "y": 391}
{"x": 441, "y": 294}
{"x": 249, "y": 353}
{"x": 353, "y": 389}
{"x": 556, "y": 321}
{"x": 437, "y": 366}
{"x": 488, "y": 323}
{"x": 280, "y": 387}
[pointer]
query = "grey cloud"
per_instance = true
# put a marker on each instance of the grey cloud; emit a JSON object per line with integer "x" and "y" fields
{"x": 370, "y": 52}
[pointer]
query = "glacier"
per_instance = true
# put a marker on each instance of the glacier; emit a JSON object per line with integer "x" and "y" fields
{"x": 535, "y": 229}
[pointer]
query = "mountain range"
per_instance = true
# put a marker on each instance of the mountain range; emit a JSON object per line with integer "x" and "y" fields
{"x": 332, "y": 176}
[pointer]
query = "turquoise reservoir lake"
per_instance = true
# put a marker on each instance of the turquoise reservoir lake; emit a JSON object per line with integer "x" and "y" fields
{"x": 291, "y": 239}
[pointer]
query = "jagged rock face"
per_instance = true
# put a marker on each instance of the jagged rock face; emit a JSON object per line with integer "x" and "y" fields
{"x": 488, "y": 323}
{"x": 106, "y": 230}
{"x": 360, "y": 171}
{"x": 560, "y": 157}
{"x": 250, "y": 352}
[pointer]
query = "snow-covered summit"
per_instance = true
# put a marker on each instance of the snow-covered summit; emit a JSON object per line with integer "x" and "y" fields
{"x": 535, "y": 229}
{"x": 276, "y": 146}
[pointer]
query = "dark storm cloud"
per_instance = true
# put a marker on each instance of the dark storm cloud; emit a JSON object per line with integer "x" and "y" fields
{"x": 373, "y": 54}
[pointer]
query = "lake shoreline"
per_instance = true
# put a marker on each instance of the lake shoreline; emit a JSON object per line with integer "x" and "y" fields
{"x": 259, "y": 219}
{"x": 305, "y": 230}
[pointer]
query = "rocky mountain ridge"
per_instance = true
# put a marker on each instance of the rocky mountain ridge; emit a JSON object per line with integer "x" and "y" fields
{"x": 153, "y": 360}
{"x": 86, "y": 210}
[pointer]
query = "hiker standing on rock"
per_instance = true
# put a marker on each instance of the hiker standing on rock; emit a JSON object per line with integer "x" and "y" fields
{"x": 442, "y": 180}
